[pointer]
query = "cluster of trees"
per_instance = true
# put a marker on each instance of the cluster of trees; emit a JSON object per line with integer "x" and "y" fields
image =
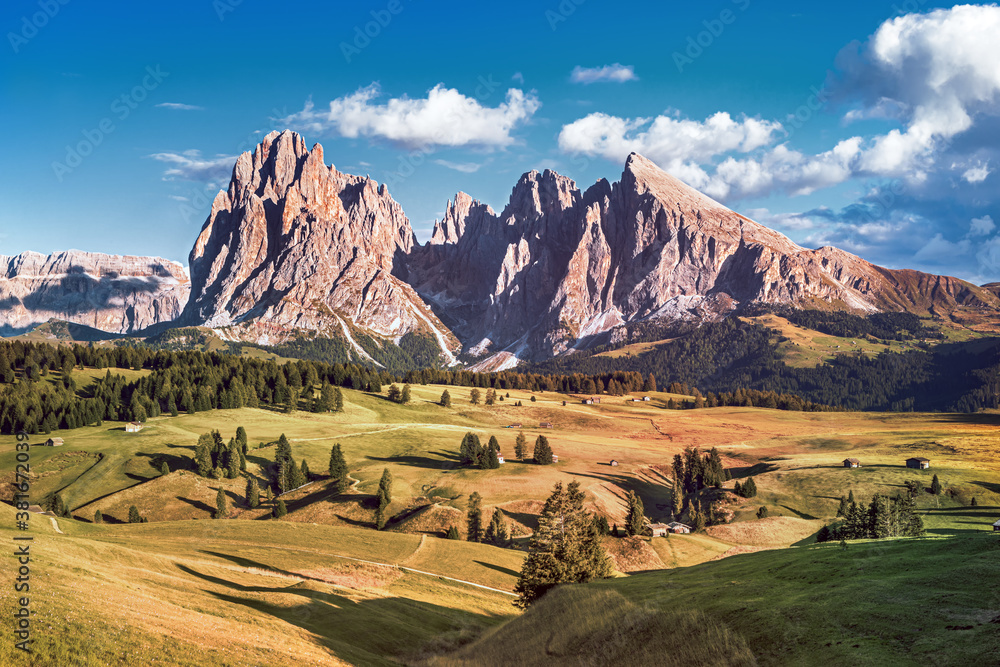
{"x": 544, "y": 380}
{"x": 496, "y": 533}
{"x": 746, "y": 490}
{"x": 883, "y": 326}
{"x": 472, "y": 453}
{"x": 883, "y": 517}
{"x": 288, "y": 476}
{"x": 635, "y": 521}
{"x": 216, "y": 459}
{"x": 566, "y": 548}
{"x": 399, "y": 396}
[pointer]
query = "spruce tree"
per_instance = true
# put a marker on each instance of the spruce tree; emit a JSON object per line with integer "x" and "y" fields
{"x": 445, "y": 399}
{"x": 383, "y": 497}
{"x": 762, "y": 513}
{"x": 602, "y": 525}
{"x": 304, "y": 469}
{"x": 496, "y": 533}
{"x": 543, "y": 452}
{"x": 520, "y": 445}
{"x": 98, "y": 516}
{"x": 474, "y": 396}
{"x": 474, "y": 518}
{"x": 268, "y": 494}
{"x": 133, "y": 515}
{"x": 453, "y": 533}
{"x": 394, "y": 394}
{"x": 566, "y": 548}
{"x": 221, "y": 504}
{"x": 279, "y": 509}
{"x": 973, "y": 502}
{"x": 232, "y": 461}
{"x": 338, "y": 469}
{"x": 241, "y": 439}
{"x": 253, "y": 493}
{"x": 491, "y": 459}
{"x": 203, "y": 459}
{"x": 164, "y": 468}
{"x": 338, "y": 400}
{"x": 844, "y": 506}
{"x": 936, "y": 486}
{"x": 635, "y": 522}
{"x": 404, "y": 396}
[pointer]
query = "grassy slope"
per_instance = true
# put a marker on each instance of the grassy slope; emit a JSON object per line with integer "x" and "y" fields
{"x": 900, "y": 602}
{"x": 237, "y": 593}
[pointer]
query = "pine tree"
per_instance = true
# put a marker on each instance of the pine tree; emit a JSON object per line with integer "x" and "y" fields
{"x": 520, "y": 445}
{"x": 543, "y": 452}
{"x": 445, "y": 399}
{"x": 750, "y": 488}
{"x": 602, "y": 525}
{"x": 294, "y": 475}
{"x": 973, "y": 502}
{"x": 635, "y": 522}
{"x": 474, "y": 518}
{"x": 304, "y": 469}
{"x": 491, "y": 460}
{"x": 338, "y": 400}
{"x": 203, "y": 459}
{"x": 268, "y": 494}
{"x": 566, "y": 548}
{"x": 453, "y": 533}
{"x": 338, "y": 469}
{"x": 491, "y": 397}
{"x": 279, "y": 509}
{"x": 221, "y": 504}
{"x": 253, "y": 493}
{"x": 824, "y": 534}
{"x": 936, "y": 486}
{"x": 394, "y": 394}
{"x": 241, "y": 439}
{"x": 844, "y": 505}
{"x": 496, "y": 533}
{"x": 474, "y": 396}
{"x": 283, "y": 450}
{"x": 164, "y": 468}
{"x": 98, "y": 516}
{"x": 232, "y": 461}
{"x": 133, "y": 515}
{"x": 404, "y": 396}
{"x": 384, "y": 497}
{"x": 762, "y": 513}
{"x": 677, "y": 502}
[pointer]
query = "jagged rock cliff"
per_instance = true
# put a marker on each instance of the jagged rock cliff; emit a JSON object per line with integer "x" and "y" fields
{"x": 558, "y": 266}
{"x": 296, "y": 245}
{"x": 113, "y": 293}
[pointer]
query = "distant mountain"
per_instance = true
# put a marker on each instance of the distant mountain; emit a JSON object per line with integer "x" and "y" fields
{"x": 113, "y": 293}
{"x": 295, "y": 249}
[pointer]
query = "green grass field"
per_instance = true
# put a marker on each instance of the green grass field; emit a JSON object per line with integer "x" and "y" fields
{"x": 182, "y": 587}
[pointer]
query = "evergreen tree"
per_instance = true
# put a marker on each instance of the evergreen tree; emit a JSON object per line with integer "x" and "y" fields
{"x": 496, "y": 533}
{"x": 543, "y": 452}
{"x": 268, "y": 494}
{"x": 936, "y": 486}
{"x": 304, "y": 469}
{"x": 566, "y": 548}
{"x": 280, "y": 509}
{"x": 474, "y": 518}
{"x": 383, "y": 497}
{"x": 750, "y": 488}
{"x": 491, "y": 397}
{"x": 98, "y": 516}
{"x": 338, "y": 400}
{"x": 677, "y": 502}
{"x": 404, "y": 396}
{"x": 491, "y": 461}
{"x": 133, "y": 515}
{"x": 253, "y": 493}
{"x": 164, "y": 468}
{"x": 394, "y": 394}
{"x": 844, "y": 506}
{"x": 474, "y": 396}
{"x": 453, "y": 533}
{"x": 232, "y": 461}
{"x": 338, "y": 469}
{"x": 532, "y": 398}
{"x": 221, "y": 504}
{"x": 283, "y": 450}
{"x": 973, "y": 502}
{"x": 614, "y": 530}
{"x": 762, "y": 513}
{"x": 445, "y": 399}
{"x": 824, "y": 534}
{"x": 602, "y": 525}
{"x": 635, "y": 522}
{"x": 203, "y": 459}
{"x": 520, "y": 445}
{"x": 241, "y": 439}
{"x": 294, "y": 475}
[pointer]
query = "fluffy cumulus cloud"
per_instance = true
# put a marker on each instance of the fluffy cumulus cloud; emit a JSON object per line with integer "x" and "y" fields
{"x": 609, "y": 73}
{"x": 977, "y": 174}
{"x": 191, "y": 166}
{"x": 445, "y": 118}
{"x": 677, "y": 144}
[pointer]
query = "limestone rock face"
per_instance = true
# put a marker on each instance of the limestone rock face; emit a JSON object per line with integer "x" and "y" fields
{"x": 113, "y": 293}
{"x": 295, "y": 244}
{"x": 558, "y": 266}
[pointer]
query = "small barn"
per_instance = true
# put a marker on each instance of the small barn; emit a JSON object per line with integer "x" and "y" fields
{"x": 918, "y": 462}
{"x": 500, "y": 457}
{"x": 588, "y": 401}
{"x": 545, "y": 425}
{"x": 555, "y": 458}
{"x": 659, "y": 529}
{"x": 646, "y": 398}
{"x": 595, "y": 399}
{"x": 679, "y": 528}
{"x": 852, "y": 463}
{"x": 518, "y": 425}
{"x": 614, "y": 464}
{"x": 133, "y": 427}
{"x": 996, "y": 527}
{"x": 54, "y": 442}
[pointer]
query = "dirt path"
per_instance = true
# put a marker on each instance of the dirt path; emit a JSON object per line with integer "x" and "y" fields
{"x": 55, "y": 525}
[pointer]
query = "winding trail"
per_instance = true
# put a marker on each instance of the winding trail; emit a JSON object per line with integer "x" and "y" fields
{"x": 55, "y": 525}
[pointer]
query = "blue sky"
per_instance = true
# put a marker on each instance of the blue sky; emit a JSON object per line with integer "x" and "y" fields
{"x": 124, "y": 121}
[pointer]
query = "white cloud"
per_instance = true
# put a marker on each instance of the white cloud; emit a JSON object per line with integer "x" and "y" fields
{"x": 981, "y": 226}
{"x": 518, "y": 78}
{"x": 794, "y": 222}
{"x": 177, "y": 106}
{"x": 977, "y": 174}
{"x": 668, "y": 141}
{"x": 444, "y": 118}
{"x": 464, "y": 167}
{"x": 190, "y": 166}
{"x": 616, "y": 73}
{"x": 179, "y": 198}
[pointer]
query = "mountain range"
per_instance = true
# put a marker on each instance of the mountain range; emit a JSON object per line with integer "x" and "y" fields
{"x": 295, "y": 247}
